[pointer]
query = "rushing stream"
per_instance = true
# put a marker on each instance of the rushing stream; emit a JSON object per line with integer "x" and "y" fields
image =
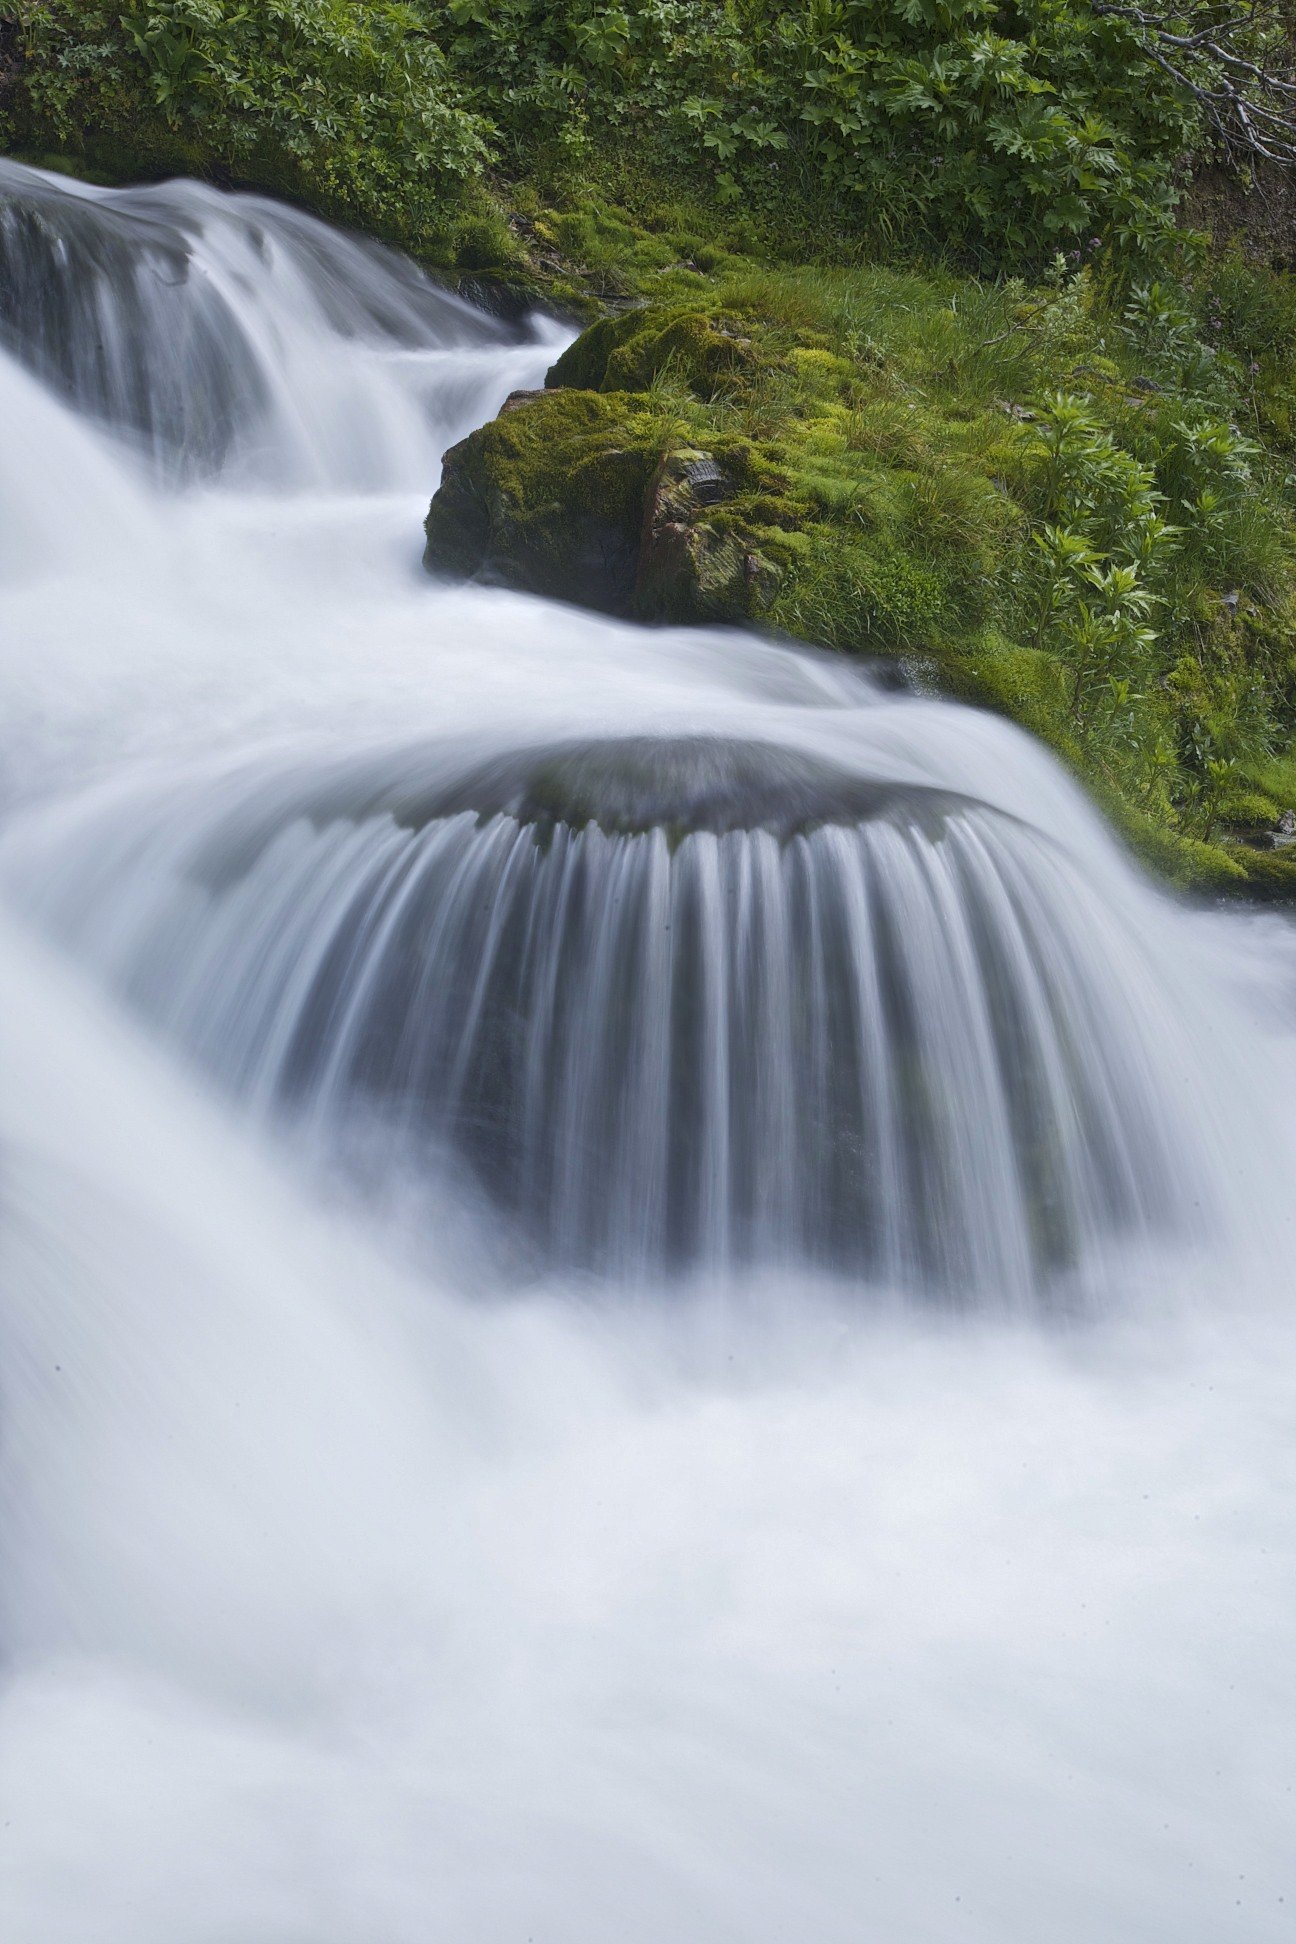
{"x": 645, "y": 1292}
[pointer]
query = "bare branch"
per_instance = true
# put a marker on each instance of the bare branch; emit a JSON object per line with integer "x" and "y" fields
{"x": 1236, "y": 64}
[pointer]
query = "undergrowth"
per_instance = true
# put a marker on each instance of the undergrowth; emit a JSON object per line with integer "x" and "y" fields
{"x": 1003, "y": 132}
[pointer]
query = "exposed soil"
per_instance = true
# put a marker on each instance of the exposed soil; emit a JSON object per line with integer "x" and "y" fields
{"x": 1260, "y": 213}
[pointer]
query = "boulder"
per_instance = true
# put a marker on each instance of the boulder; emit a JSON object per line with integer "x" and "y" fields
{"x": 587, "y": 497}
{"x": 547, "y": 498}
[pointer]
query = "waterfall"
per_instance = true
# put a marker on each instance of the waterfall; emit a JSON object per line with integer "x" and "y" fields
{"x": 690, "y": 1003}
{"x": 644, "y": 1288}
{"x": 233, "y": 335}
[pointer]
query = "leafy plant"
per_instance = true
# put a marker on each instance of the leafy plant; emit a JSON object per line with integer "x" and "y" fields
{"x": 347, "y": 100}
{"x": 1013, "y": 132}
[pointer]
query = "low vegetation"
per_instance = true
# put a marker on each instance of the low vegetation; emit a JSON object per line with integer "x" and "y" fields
{"x": 1073, "y": 512}
{"x": 1000, "y": 133}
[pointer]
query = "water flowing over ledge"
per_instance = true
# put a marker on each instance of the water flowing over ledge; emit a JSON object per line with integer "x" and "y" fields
{"x": 233, "y": 336}
{"x": 692, "y": 1003}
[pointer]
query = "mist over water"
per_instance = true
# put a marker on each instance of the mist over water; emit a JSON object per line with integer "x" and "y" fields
{"x": 644, "y": 1290}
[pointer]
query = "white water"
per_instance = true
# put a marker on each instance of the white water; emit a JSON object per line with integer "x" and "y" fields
{"x": 355, "y": 1593}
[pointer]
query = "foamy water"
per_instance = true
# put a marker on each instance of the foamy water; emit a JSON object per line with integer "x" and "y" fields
{"x": 387, "y": 1556}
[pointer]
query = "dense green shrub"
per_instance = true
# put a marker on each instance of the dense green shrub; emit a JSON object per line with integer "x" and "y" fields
{"x": 981, "y": 125}
{"x": 345, "y": 101}
{"x": 966, "y": 124}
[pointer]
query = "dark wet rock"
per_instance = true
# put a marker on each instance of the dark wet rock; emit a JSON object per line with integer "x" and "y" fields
{"x": 548, "y": 499}
{"x": 569, "y": 494}
{"x": 630, "y": 784}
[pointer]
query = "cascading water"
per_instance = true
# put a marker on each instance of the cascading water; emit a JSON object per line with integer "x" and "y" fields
{"x": 338, "y": 1604}
{"x": 206, "y": 337}
{"x": 675, "y": 1003}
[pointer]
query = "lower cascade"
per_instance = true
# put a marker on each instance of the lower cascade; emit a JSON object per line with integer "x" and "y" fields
{"x": 674, "y": 1003}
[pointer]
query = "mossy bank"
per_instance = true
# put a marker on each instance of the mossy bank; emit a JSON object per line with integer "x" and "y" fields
{"x": 1071, "y": 509}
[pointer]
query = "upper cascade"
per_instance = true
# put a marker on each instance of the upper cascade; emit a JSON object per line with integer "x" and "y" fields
{"x": 229, "y": 333}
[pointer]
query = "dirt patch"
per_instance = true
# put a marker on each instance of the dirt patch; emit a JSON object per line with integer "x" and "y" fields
{"x": 1260, "y": 214}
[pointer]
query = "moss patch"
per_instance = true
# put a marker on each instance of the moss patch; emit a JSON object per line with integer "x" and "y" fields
{"x": 549, "y": 498}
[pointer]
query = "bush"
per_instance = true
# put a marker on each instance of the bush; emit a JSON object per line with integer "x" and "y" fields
{"x": 346, "y": 102}
{"x": 1012, "y": 129}
{"x": 964, "y": 124}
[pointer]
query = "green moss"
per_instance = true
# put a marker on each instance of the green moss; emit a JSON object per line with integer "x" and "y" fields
{"x": 1025, "y": 684}
{"x": 693, "y": 348}
{"x": 485, "y": 242}
{"x": 1185, "y": 862}
{"x": 1244, "y": 809}
{"x": 866, "y": 597}
{"x": 583, "y": 365}
{"x": 1276, "y": 777}
{"x": 595, "y": 496}
{"x": 549, "y": 497}
{"x": 1270, "y": 874}
{"x": 630, "y": 352}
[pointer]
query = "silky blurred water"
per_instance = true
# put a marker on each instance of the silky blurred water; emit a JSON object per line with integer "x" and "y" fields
{"x": 638, "y": 1482}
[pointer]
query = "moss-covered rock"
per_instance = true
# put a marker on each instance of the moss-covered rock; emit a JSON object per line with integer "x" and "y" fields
{"x": 867, "y": 462}
{"x": 594, "y": 497}
{"x": 627, "y": 353}
{"x": 548, "y": 498}
{"x": 699, "y": 557}
{"x": 1266, "y": 874}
